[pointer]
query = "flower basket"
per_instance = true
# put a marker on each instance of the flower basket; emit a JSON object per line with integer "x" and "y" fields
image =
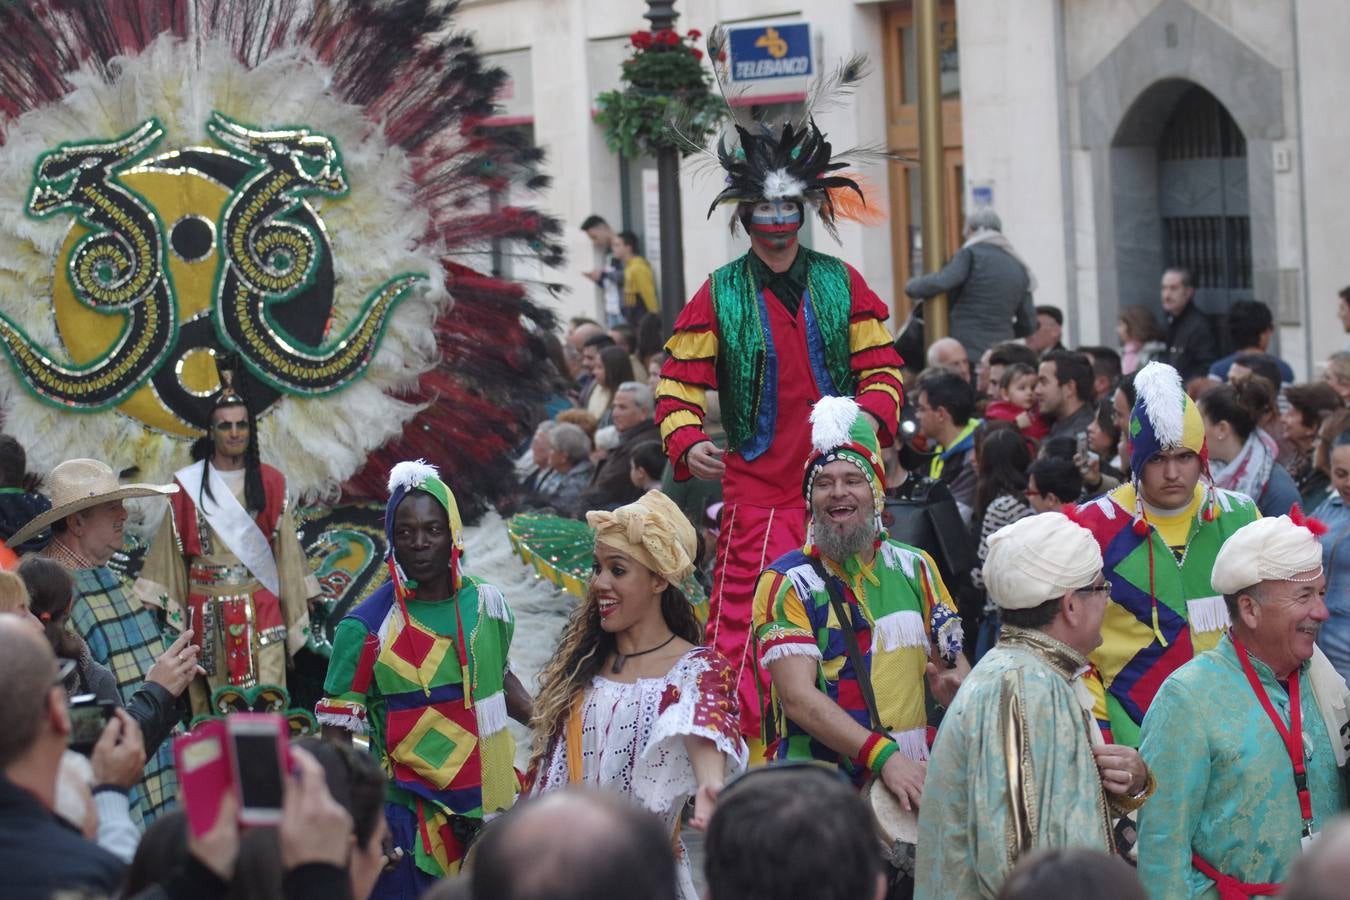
{"x": 666, "y": 84}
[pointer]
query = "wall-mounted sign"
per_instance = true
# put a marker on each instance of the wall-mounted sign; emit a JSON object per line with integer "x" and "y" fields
{"x": 762, "y": 52}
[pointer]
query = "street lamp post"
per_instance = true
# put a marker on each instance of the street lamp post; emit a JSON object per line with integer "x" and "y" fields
{"x": 661, "y": 13}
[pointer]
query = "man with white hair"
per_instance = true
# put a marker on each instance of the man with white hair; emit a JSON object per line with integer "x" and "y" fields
{"x": 1247, "y": 736}
{"x": 632, "y": 411}
{"x": 948, "y": 353}
{"x": 988, "y": 285}
{"x": 1019, "y": 763}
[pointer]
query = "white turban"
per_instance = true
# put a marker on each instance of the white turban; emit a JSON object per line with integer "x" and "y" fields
{"x": 1269, "y": 549}
{"x": 1039, "y": 558}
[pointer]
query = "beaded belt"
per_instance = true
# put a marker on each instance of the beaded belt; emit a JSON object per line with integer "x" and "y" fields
{"x": 221, "y": 576}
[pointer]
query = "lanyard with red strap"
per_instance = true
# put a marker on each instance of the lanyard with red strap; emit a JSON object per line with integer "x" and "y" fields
{"x": 1291, "y": 735}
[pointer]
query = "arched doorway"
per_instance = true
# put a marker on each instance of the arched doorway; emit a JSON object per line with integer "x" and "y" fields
{"x": 1202, "y": 199}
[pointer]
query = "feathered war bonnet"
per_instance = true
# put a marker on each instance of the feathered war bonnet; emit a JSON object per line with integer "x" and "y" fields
{"x": 419, "y": 475}
{"x": 790, "y": 159}
{"x": 840, "y": 431}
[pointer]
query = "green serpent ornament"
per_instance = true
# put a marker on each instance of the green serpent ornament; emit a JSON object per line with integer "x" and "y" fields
{"x": 270, "y": 259}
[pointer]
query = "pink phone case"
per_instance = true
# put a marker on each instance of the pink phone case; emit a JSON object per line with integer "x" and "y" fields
{"x": 204, "y": 773}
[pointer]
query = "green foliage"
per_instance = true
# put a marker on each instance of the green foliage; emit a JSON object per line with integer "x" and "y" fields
{"x": 667, "y": 90}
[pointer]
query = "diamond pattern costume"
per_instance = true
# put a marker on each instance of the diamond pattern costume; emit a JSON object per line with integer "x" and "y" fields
{"x": 899, "y": 604}
{"x": 441, "y": 737}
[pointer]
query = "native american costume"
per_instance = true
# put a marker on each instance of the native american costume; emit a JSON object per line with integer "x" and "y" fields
{"x": 630, "y": 737}
{"x": 239, "y": 581}
{"x": 771, "y": 344}
{"x": 1163, "y": 610}
{"x": 424, "y": 678}
{"x": 1251, "y": 764}
{"x": 898, "y": 607}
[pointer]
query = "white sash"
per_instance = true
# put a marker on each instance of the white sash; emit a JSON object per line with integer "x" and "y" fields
{"x": 232, "y": 524}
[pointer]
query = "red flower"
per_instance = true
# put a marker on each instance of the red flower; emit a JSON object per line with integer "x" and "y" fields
{"x": 696, "y": 53}
{"x": 641, "y": 39}
{"x": 667, "y": 37}
{"x": 695, "y": 34}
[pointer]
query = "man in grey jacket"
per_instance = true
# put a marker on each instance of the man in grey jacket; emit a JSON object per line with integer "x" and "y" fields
{"x": 989, "y": 287}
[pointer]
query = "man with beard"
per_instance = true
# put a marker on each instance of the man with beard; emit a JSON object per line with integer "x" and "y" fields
{"x": 854, "y": 698}
{"x": 772, "y": 332}
{"x": 1248, "y": 738}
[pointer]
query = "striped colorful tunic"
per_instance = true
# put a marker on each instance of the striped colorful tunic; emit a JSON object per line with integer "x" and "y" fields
{"x": 438, "y": 728}
{"x": 1164, "y": 573}
{"x": 769, "y": 362}
{"x": 900, "y": 610}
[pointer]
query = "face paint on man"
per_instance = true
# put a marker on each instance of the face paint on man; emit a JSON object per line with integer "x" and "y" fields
{"x": 775, "y": 222}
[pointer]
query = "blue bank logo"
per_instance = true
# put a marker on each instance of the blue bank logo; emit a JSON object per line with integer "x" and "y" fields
{"x": 774, "y": 51}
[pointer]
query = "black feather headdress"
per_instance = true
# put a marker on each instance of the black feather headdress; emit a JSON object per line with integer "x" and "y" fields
{"x": 794, "y": 164}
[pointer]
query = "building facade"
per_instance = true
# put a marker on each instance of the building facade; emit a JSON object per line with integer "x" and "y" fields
{"x": 1114, "y": 138}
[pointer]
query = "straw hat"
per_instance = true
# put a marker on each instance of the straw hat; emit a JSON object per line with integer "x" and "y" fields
{"x": 78, "y": 484}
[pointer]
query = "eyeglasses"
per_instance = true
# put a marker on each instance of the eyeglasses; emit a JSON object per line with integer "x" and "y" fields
{"x": 1103, "y": 588}
{"x": 227, "y": 427}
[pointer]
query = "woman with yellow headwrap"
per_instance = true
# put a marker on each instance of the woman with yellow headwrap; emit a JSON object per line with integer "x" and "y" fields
{"x": 630, "y": 701}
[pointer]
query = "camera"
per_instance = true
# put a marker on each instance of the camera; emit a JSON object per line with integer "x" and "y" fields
{"x": 88, "y": 716}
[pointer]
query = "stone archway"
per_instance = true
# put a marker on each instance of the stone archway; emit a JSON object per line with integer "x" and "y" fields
{"x": 1125, "y": 103}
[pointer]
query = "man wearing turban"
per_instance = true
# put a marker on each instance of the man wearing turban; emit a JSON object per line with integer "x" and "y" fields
{"x": 1020, "y": 763}
{"x": 1247, "y": 737}
{"x": 1158, "y": 536}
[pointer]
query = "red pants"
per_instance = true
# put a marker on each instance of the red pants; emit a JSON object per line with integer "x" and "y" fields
{"x": 751, "y": 538}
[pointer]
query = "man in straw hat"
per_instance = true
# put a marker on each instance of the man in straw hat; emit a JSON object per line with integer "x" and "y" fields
{"x": 1159, "y": 536}
{"x": 86, "y": 518}
{"x": 772, "y": 332}
{"x": 849, "y": 624}
{"x": 1248, "y": 737}
{"x": 1019, "y": 763}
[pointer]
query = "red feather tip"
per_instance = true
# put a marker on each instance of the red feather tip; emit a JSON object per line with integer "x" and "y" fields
{"x": 1316, "y": 526}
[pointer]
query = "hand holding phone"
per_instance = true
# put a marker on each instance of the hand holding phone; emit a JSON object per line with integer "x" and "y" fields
{"x": 245, "y": 756}
{"x": 88, "y": 717}
{"x": 119, "y": 756}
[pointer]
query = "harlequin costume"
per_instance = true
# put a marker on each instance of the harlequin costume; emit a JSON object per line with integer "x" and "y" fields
{"x": 1249, "y": 763}
{"x": 630, "y": 737}
{"x": 424, "y": 679}
{"x": 899, "y": 609}
{"x": 1163, "y": 609}
{"x": 771, "y": 344}
{"x": 120, "y": 632}
{"x": 236, "y": 576}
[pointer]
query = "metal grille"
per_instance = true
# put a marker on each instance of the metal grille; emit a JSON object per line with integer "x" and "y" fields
{"x": 1212, "y": 235}
{"x": 1216, "y": 249}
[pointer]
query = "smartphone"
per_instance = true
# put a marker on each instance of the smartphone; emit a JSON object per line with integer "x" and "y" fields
{"x": 88, "y": 717}
{"x": 258, "y": 744}
{"x": 202, "y": 760}
{"x": 1082, "y": 445}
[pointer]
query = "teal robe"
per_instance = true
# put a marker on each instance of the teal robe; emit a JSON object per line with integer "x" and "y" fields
{"x": 1225, "y": 783}
{"x": 1012, "y": 770}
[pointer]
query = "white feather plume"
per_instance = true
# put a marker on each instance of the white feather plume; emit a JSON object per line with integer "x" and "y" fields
{"x": 832, "y": 419}
{"x": 1159, "y": 387}
{"x": 779, "y": 184}
{"x": 410, "y": 474}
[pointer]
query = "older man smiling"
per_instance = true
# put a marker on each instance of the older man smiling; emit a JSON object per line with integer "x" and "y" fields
{"x": 1247, "y": 736}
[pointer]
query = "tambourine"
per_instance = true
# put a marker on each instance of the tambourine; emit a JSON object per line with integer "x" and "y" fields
{"x": 897, "y": 828}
